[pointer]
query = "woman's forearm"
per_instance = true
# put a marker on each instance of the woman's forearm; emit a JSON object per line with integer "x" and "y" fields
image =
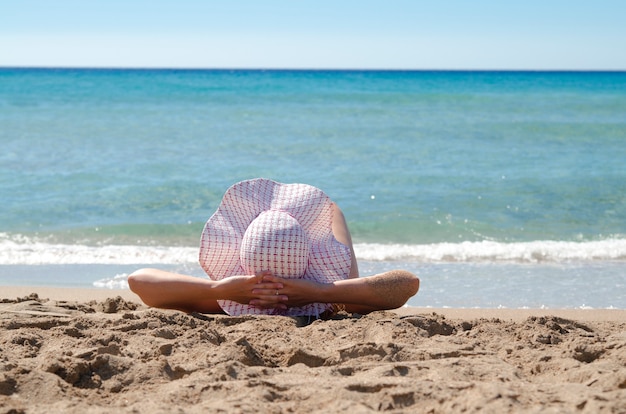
{"x": 389, "y": 290}
{"x": 169, "y": 290}
{"x": 162, "y": 289}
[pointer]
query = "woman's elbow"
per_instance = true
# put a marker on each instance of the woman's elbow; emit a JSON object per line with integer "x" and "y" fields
{"x": 413, "y": 285}
{"x": 395, "y": 287}
{"x": 140, "y": 280}
{"x": 135, "y": 281}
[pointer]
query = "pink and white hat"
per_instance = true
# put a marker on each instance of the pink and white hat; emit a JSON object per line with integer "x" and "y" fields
{"x": 284, "y": 228}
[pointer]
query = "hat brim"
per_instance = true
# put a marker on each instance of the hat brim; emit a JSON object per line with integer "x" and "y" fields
{"x": 220, "y": 244}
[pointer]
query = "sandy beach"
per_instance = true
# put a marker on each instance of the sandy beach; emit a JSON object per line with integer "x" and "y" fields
{"x": 96, "y": 351}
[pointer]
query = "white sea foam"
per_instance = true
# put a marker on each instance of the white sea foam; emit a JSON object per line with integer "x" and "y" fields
{"x": 116, "y": 282}
{"x": 22, "y": 251}
{"x": 489, "y": 251}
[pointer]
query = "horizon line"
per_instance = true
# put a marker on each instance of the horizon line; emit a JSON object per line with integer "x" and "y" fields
{"x": 294, "y": 69}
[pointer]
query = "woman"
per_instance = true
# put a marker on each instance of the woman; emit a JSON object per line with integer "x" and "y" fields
{"x": 274, "y": 248}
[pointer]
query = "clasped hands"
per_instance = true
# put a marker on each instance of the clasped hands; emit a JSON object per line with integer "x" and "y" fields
{"x": 268, "y": 291}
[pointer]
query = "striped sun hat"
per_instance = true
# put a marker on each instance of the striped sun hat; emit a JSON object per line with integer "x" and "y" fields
{"x": 284, "y": 228}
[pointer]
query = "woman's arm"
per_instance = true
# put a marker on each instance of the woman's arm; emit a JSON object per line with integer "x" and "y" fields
{"x": 161, "y": 289}
{"x": 389, "y": 290}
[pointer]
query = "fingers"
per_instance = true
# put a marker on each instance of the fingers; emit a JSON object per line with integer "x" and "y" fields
{"x": 268, "y": 277}
{"x": 270, "y": 302}
{"x": 262, "y": 274}
{"x": 265, "y": 280}
{"x": 271, "y": 296}
{"x": 267, "y": 289}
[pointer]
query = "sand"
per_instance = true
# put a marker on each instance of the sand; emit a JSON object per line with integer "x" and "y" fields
{"x": 96, "y": 351}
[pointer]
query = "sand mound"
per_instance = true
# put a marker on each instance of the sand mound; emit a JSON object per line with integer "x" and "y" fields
{"x": 115, "y": 355}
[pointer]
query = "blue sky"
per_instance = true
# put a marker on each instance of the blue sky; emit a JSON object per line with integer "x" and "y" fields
{"x": 384, "y": 34}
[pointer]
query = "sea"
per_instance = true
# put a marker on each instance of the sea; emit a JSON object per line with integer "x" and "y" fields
{"x": 500, "y": 189}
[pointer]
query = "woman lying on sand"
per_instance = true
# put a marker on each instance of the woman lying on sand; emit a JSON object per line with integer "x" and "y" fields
{"x": 272, "y": 248}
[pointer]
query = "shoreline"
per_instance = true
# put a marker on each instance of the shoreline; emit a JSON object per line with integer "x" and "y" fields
{"x": 517, "y": 315}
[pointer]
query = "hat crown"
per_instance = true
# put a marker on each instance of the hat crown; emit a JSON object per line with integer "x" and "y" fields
{"x": 276, "y": 242}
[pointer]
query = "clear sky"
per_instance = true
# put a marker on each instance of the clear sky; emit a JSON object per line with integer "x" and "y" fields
{"x": 367, "y": 34}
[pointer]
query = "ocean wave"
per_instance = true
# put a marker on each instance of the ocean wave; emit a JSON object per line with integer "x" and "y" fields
{"x": 119, "y": 281}
{"x": 17, "y": 250}
{"x": 541, "y": 251}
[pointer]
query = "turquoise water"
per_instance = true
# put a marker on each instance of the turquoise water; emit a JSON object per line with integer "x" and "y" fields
{"x": 477, "y": 174}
